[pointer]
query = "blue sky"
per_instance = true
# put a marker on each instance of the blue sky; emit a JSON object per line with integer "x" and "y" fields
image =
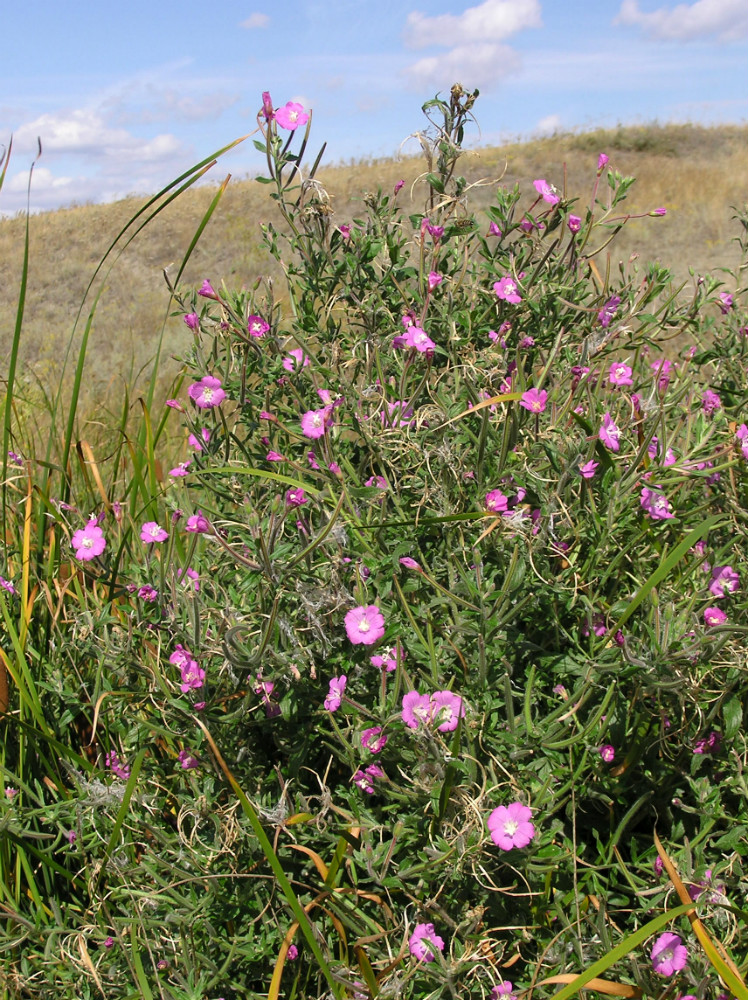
{"x": 126, "y": 96}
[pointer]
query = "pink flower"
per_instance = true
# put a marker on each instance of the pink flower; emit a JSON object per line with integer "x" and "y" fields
{"x": 425, "y": 942}
{"x": 435, "y": 280}
{"x": 274, "y": 456}
{"x": 207, "y": 392}
{"x": 364, "y": 624}
{"x": 88, "y": 542}
{"x": 610, "y": 433}
{"x": 656, "y": 505}
{"x": 153, "y": 532}
{"x": 534, "y": 400}
{"x": 547, "y": 192}
{"x": 446, "y": 709}
{"x": 256, "y": 326}
{"x": 574, "y": 223}
{"x": 373, "y": 739}
{"x": 602, "y": 161}
{"x": 669, "y": 954}
{"x": 409, "y": 563}
{"x": 399, "y": 414}
{"x": 335, "y": 694}
{"x": 510, "y": 826}
{"x": 379, "y": 481}
{"x": 714, "y": 616}
{"x": 292, "y": 953}
{"x": 497, "y": 501}
{"x": 186, "y": 760}
{"x": 181, "y": 469}
{"x": 710, "y": 402}
{"x": 415, "y": 337}
{"x": 345, "y": 231}
{"x": 662, "y": 369}
{"x": 659, "y": 212}
{"x": 207, "y": 291}
{"x": 267, "y": 106}
{"x": 193, "y": 676}
{"x": 588, "y": 470}
{"x": 296, "y": 497}
{"x": 726, "y": 302}
{"x": 175, "y": 405}
{"x": 120, "y": 768}
{"x": 291, "y": 116}
{"x": 724, "y": 581}
{"x": 387, "y": 659}
{"x": 195, "y": 443}
{"x": 295, "y": 360}
{"x": 398, "y": 186}
{"x": 365, "y": 781}
{"x": 708, "y": 744}
{"x": 148, "y": 593}
{"x": 314, "y": 422}
{"x": 608, "y": 753}
{"x": 506, "y": 289}
{"x": 416, "y": 709}
{"x": 503, "y": 991}
{"x": 620, "y": 374}
{"x": 197, "y": 524}
{"x": 609, "y": 310}
{"x": 192, "y": 320}
{"x": 493, "y": 229}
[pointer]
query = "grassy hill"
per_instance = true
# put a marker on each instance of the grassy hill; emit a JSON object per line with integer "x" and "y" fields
{"x": 696, "y": 173}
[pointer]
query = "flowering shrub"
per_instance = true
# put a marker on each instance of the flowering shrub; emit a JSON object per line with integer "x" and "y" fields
{"x": 452, "y": 507}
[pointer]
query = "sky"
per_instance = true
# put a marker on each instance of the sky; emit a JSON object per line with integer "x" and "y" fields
{"x": 126, "y": 96}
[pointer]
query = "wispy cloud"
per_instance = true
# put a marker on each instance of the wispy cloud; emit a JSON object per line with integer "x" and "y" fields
{"x": 256, "y": 20}
{"x": 491, "y": 21}
{"x": 725, "y": 20}
{"x": 475, "y": 39}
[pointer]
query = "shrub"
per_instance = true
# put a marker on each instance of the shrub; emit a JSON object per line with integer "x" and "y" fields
{"x": 385, "y": 687}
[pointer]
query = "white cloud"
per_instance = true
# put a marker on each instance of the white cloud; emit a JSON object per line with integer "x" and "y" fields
{"x": 491, "y": 21}
{"x": 256, "y": 20}
{"x": 82, "y": 132}
{"x": 476, "y": 65}
{"x": 477, "y": 56}
{"x": 727, "y": 20}
{"x": 548, "y": 125}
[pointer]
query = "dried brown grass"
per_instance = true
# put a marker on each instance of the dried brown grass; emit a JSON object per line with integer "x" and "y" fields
{"x": 696, "y": 173}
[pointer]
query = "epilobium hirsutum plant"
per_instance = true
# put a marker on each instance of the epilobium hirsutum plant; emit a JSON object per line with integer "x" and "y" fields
{"x": 472, "y": 503}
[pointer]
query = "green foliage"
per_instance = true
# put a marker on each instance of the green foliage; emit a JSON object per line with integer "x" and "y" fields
{"x": 486, "y": 436}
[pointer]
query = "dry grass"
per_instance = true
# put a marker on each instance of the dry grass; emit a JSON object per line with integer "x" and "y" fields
{"x": 696, "y": 173}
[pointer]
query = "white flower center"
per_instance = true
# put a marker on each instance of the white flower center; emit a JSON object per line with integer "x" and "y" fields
{"x": 363, "y": 625}
{"x": 509, "y": 288}
{"x": 510, "y": 827}
{"x": 87, "y": 543}
{"x": 207, "y": 395}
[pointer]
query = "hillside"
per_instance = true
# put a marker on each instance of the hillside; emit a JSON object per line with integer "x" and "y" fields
{"x": 696, "y": 173}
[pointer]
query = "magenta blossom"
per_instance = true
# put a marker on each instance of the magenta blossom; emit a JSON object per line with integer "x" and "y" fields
{"x": 714, "y": 616}
{"x": 497, "y": 502}
{"x": 546, "y": 191}
{"x": 574, "y": 223}
{"x": 373, "y": 739}
{"x": 446, "y": 709}
{"x": 192, "y": 320}
{"x": 187, "y": 761}
{"x": 153, "y": 532}
{"x": 116, "y": 766}
{"x": 435, "y": 279}
{"x": 387, "y": 659}
{"x": 726, "y": 302}
{"x": 417, "y": 338}
{"x": 195, "y": 443}
{"x": 335, "y": 694}
{"x": 620, "y": 374}
{"x": 267, "y": 106}
{"x": 291, "y": 116}
{"x": 608, "y": 753}
{"x": 364, "y": 625}
{"x": 314, "y": 423}
{"x": 425, "y": 942}
{"x": 207, "y": 392}
{"x": 296, "y": 497}
{"x": 295, "y": 360}
{"x": 510, "y": 826}
{"x": 609, "y": 310}
{"x": 534, "y": 400}
{"x": 197, "y": 524}
{"x": 610, "y": 433}
{"x": 207, "y": 291}
{"x": 257, "y": 327}
{"x": 506, "y": 289}
{"x": 588, "y": 470}
{"x": 710, "y": 402}
{"x": 88, "y": 542}
{"x": 181, "y": 470}
{"x": 708, "y": 744}
{"x": 493, "y": 229}
{"x": 503, "y": 991}
{"x": 409, "y": 563}
{"x": 602, "y": 161}
{"x": 416, "y": 709}
{"x": 669, "y": 954}
{"x": 656, "y": 505}
{"x": 365, "y": 779}
{"x": 724, "y": 581}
